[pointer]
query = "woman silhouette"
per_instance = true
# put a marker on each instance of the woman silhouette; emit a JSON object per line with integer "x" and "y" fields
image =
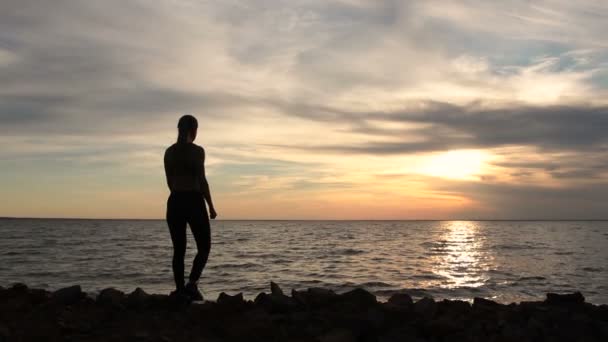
{"x": 185, "y": 171}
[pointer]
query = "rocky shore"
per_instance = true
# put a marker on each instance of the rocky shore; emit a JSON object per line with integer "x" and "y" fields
{"x": 312, "y": 315}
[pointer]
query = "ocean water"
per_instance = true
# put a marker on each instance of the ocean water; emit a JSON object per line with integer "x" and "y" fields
{"x": 504, "y": 260}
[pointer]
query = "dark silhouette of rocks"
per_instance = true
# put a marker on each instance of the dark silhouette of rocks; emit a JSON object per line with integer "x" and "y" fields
{"x": 67, "y": 295}
{"x": 312, "y": 315}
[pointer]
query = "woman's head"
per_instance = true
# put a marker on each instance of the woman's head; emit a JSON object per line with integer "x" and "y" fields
{"x": 186, "y": 128}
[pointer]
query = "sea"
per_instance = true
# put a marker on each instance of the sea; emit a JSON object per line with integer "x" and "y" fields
{"x": 506, "y": 261}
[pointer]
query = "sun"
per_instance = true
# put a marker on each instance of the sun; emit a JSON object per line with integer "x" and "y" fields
{"x": 456, "y": 164}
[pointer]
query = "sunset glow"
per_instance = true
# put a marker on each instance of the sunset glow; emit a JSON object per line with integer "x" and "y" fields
{"x": 459, "y": 164}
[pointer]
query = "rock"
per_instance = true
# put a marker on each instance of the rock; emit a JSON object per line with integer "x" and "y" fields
{"x": 484, "y": 304}
{"x": 561, "y": 299}
{"x": 4, "y": 332}
{"x": 445, "y": 325}
{"x": 358, "y": 297}
{"x": 275, "y": 303}
{"x": 138, "y": 298}
{"x": 38, "y": 296}
{"x": 19, "y": 287}
{"x": 426, "y": 307}
{"x": 275, "y": 289}
{"x": 318, "y": 297}
{"x": 402, "y": 300}
{"x": 338, "y": 335}
{"x": 321, "y": 293}
{"x": 110, "y": 296}
{"x": 298, "y": 296}
{"x": 231, "y": 302}
{"x": 68, "y": 295}
{"x": 454, "y": 307}
{"x": 376, "y": 317}
{"x": 314, "y": 297}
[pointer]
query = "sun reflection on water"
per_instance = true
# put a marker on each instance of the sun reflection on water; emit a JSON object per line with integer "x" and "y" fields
{"x": 460, "y": 256}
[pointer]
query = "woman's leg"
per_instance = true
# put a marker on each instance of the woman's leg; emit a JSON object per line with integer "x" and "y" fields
{"x": 177, "y": 227}
{"x": 201, "y": 230}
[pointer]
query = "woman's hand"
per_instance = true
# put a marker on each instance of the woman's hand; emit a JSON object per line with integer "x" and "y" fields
{"x": 212, "y": 213}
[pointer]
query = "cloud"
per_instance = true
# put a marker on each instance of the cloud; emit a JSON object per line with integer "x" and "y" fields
{"x": 446, "y": 126}
{"x": 529, "y": 201}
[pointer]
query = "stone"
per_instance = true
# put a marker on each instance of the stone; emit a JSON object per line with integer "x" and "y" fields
{"x": 298, "y": 296}
{"x": 560, "y": 299}
{"x": 19, "y": 287}
{"x": 358, "y": 297}
{"x": 38, "y": 296}
{"x": 275, "y": 289}
{"x": 426, "y": 307}
{"x": 319, "y": 297}
{"x": 338, "y": 335}
{"x": 110, "y": 296}
{"x": 275, "y": 303}
{"x": 138, "y": 298}
{"x": 445, "y": 325}
{"x": 401, "y": 300}
{"x": 68, "y": 295}
{"x": 454, "y": 307}
{"x": 4, "y": 332}
{"x": 484, "y": 304}
{"x": 231, "y": 302}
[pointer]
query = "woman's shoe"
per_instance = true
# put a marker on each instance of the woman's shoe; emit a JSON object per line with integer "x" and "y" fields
{"x": 193, "y": 292}
{"x": 180, "y": 296}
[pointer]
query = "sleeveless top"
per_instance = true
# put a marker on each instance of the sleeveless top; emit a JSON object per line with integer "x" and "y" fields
{"x": 184, "y": 167}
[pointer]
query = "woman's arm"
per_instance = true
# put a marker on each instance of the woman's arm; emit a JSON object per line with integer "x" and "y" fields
{"x": 167, "y": 170}
{"x": 205, "y": 189}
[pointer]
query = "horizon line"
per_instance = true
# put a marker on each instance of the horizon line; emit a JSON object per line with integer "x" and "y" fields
{"x": 270, "y": 219}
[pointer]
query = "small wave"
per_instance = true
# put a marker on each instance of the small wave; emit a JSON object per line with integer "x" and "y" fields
{"x": 563, "y": 253}
{"x": 531, "y": 278}
{"x": 593, "y": 269}
{"x": 375, "y": 284}
{"x": 429, "y": 244}
{"x": 514, "y": 247}
{"x": 349, "y": 251}
{"x": 232, "y": 266}
{"x": 427, "y": 277}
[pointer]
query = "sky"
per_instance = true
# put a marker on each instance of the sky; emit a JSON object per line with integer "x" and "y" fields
{"x": 319, "y": 109}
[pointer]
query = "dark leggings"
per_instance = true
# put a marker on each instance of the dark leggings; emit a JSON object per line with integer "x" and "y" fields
{"x": 188, "y": 208}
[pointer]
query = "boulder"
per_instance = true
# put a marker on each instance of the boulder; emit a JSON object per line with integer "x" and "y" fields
{"x": 19, "y": 287}
{"x": 454, "y": 307}
{"x": 231, "y": 302}
{"x": 567, "y": 299}
{"x": 110, "y": 296}
{"x": 358, "y": 297}
{"x": 485, "y": 304}
{"x": 401, "y": 300}
{"x": 314, "y": 297}
{"x": 68, "y": 295}
{"x": 4, "y": 332}
{"x": 318, "y": 297}
{"x": 275, "y": 289}
{"x": 426, "y": 307}
{"x": 138, "y": 298}
{"x": 275, "y": 303}
{"x": 37, "y": 296}
{"x": 338, "y": 335}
